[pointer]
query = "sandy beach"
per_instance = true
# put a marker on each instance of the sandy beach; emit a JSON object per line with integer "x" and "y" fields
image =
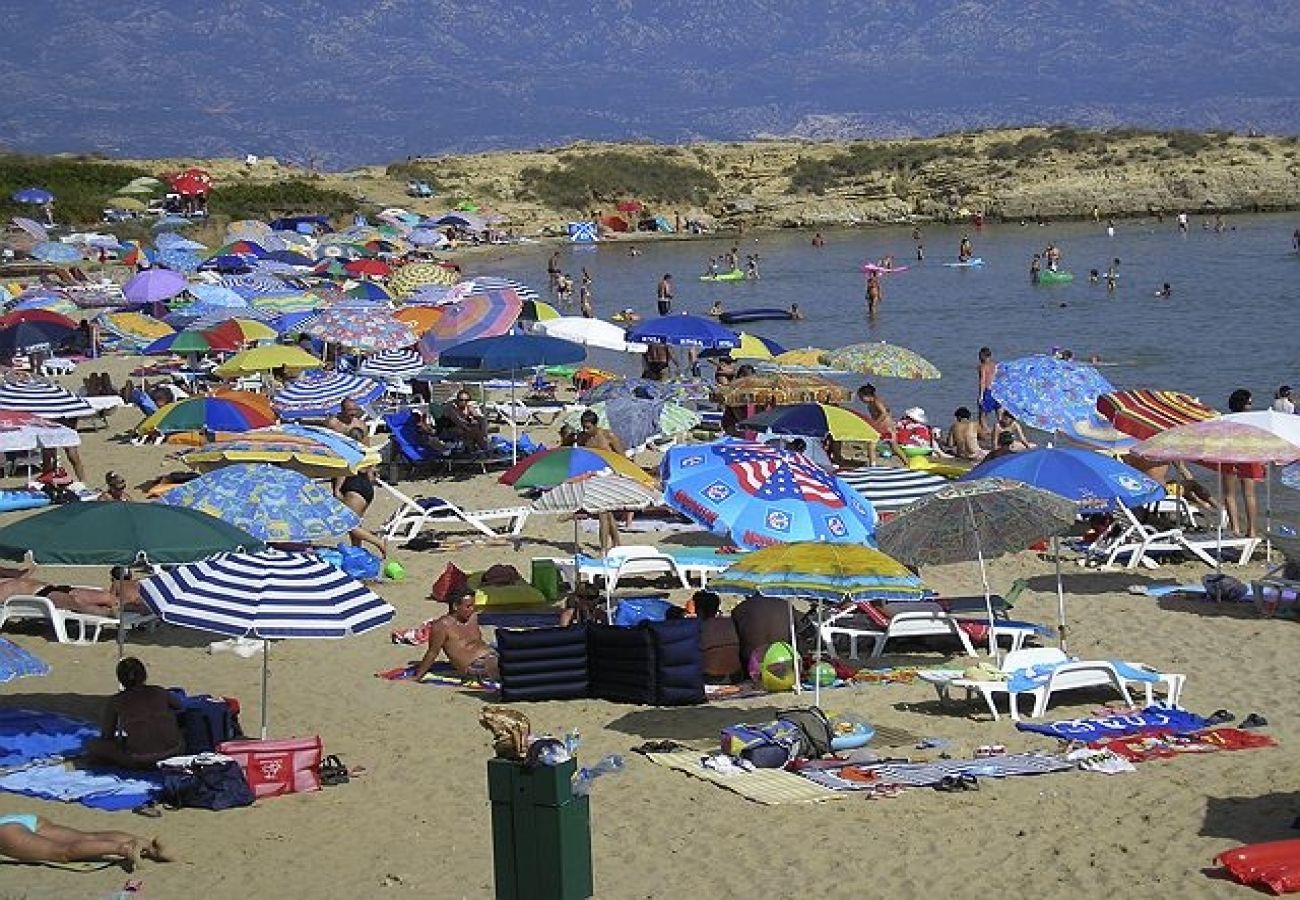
{"x": 417, "y": 822}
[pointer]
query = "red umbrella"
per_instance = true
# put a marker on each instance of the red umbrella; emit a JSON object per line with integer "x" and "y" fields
{"x": 1145, "y": 413}
{"x": 36, "y": 315}
{"x": 191, "y": 185}
{"x": 373, "y": 267}
{"x": 630, "y": 206}
{"x": 198, "y": 172}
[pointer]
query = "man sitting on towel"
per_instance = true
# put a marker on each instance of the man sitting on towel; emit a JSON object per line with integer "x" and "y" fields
{"x": 458, "y": 635}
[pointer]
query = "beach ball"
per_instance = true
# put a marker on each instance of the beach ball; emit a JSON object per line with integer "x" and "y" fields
{"x": 822, "y": 674}
{"x": 777, "y": 670}
{"x": 394, "y": 571}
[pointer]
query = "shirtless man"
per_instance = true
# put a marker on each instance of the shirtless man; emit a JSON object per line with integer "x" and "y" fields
{"x": 964, "y": 249}
{"x": 877, "y": 410}
{"x": 469, "y": 423}
{"x": 984, "y": 401}
{"x": 349, "y": 420}
{"x": 593, "y": 437}
{"x": 873, "y": 293}
{"x": 963, "y": 436}
{"x": 458, "y": 635}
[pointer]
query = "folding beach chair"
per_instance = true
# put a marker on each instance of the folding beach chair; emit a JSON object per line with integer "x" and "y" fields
{"x": 415, "y": 513}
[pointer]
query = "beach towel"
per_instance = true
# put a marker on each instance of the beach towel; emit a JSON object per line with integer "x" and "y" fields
{"x": 107, "y": 789}
{"x": 441, "y": 675}
{"x": 1152, "y": 720}
{"x": 1146, "y": 747}
{"x": 1024, "y": 680}
{"x": 924, "y": 774}
{"x": 27, "y": 735}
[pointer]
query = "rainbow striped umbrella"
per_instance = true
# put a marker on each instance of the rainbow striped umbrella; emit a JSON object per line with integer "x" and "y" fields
{"x": 204, "y": 414}
{"x": 547, "y": 468}
{"x": 1218, "y": 441}
{"x": 478, "y": 316}
{"x": 1145, "y": 413}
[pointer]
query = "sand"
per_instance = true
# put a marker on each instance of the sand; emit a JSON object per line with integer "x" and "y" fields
{"x": 417, "y": 822}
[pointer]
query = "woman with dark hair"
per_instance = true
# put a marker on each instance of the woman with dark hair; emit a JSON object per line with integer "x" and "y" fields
{"x": 139, "y": 726}
{"x": 1243, "y": 477}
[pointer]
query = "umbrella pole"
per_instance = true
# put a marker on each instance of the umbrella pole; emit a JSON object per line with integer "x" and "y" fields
{"x": 1268, "y": 513}
{"x": 1223, "y": 502}
{"x": 514, "y": 426}
{"x": 794, "y": 645}
{"x": 984, "y": 579}
{"x": 266, "y": 671}
{"x": 1060, "y": 596}
{"x": 817, "y": 660}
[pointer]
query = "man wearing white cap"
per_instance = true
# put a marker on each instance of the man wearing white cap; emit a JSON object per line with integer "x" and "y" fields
{"x": 913, "y": 435}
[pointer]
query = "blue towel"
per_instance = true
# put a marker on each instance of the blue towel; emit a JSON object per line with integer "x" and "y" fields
{"x": 1178, "y": 721}
{"x": 27, "y": 735}
{"x": 107, "y": 789}
{"x": 1036, "y": 676}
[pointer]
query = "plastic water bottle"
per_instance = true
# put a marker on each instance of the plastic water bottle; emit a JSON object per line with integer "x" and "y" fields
{"x": 582, "y": 782}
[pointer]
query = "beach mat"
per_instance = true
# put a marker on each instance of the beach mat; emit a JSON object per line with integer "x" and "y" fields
{"x": 100, "y": 788}
{"x": 769, "y": 787}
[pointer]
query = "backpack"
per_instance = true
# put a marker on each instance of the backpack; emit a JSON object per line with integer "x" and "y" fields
{"x": 207, "y": 785}
{"x": 206, "y": 721}
{"x": 770, "y": 745}
{"x": 814, "y": 730}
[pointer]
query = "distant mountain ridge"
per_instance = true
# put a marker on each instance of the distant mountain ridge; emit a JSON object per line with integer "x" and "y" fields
{"x": 339, "y": 83}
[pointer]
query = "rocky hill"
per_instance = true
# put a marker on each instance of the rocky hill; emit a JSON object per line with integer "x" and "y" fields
{"x": 1010, "y": 174}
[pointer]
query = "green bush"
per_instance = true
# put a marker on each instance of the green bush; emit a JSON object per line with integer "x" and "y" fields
{"x": 579, "y": 181}
{"x": 80, "y": 185}
{"x": 1188, "y": 143}
{"x": 266, "y": 200}
{"x": 811, "y": 176}
{"x": 414, "y": 171}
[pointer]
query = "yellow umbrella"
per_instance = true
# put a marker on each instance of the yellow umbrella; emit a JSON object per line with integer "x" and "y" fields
{"x": 410, "y": 278}
{"x": 266, "y": 358}
{"x": 808, "y": 357}
{"x": 138, "y": 327}
{"x": 751, "y": 348}
{"x": 420, "y": 318}
{"x": 127, "y": 204}
{"x": 251, "y": 329}
{"x": 815, "y": 419}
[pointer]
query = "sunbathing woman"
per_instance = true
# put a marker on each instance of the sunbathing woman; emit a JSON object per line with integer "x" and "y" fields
{"x": 33, "y": 838}
{"x": 139, "y": 726}
{"x": 90, "y": 600}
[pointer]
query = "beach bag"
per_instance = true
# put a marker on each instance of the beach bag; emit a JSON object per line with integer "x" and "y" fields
{"x": 359, "y": 562}
{"x": 217, "y": 784}
{"x": 815, "y": 732}
{"x": 632, "y": 611}
{"x": 207, "y": 721}
{"x": 1224, "y": 588}
{"x": 770, "y": 745}
{"x": 449, "y": 582}
{"x": 287, "y": 766}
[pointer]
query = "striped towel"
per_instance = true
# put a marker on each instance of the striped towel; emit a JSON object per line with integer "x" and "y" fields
{"x": 892, "y": 488}
{"x": 923, "y": 774}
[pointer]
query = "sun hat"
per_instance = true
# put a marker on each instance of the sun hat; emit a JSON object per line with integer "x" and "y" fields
{"x": 916, "y": 414}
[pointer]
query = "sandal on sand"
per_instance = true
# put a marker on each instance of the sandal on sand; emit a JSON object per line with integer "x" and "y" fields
{"x": 333, "y": 771}
{"x": 1254, "y": 720}
{"x": 1220, "y": 717}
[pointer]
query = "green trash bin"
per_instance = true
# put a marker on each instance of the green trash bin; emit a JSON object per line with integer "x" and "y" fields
{"x": 546, "y": 578}
{"x": 541, "y": 832}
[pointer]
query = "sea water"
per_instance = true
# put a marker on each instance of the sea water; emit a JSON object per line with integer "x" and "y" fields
{"x": 1229, "y": 324}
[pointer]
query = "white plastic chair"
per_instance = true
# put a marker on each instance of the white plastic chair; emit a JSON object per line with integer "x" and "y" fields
{"x": 410, "y": 518}
{"x": 29, "y": 606}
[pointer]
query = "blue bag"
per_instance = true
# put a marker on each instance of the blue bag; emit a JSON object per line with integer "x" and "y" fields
{"x": 359, "y": 562}
{"x": 207, "y": 785}
{"x": 632, "y": 611}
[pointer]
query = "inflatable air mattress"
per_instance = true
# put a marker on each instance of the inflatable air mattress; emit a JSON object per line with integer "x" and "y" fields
{"x": 1049, "y": 277}
{"x": 738, "y": 316}
{"x": 11, "y": 500}
{"x": 975, "y": 261}
{"x": 733, "y": 275}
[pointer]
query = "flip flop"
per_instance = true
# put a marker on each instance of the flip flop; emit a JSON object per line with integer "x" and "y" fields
{"x": 1220, "y": 717}
{"x": 1254, "y": 720}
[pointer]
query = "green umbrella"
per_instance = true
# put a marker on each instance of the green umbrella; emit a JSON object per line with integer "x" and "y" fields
{"x": 114, "y": 533}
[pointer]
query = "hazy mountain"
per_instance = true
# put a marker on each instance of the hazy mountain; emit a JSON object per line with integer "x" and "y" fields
{"x": 346, "y": 82}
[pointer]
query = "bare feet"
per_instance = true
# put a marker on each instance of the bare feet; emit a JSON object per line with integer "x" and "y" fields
{"x": 158, "y": 852}
{"x": 130, "y": 855}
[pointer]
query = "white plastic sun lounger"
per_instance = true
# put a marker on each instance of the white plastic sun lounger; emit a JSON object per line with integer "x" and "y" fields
{"x": 414, "y": 514}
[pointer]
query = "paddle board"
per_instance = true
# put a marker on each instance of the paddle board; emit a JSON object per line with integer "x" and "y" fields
{"x": 881, "y": 270}
{"x": 975, "y": 261}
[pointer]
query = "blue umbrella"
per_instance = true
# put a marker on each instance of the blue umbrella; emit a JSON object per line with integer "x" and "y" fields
{"x": 250, "y": 286}
{"x": 512, "y": 351}
{"x": 171, "y": 222}
{"x": 685, "y": 331}
{"x": 15, "y": 662}
{"x": 227, "y": 262}
{"x": 179, "y": 259}
{"x": 761, "y": 496}
{"x": 56, "y": 252}
{"x": 1097, "y": 483}
{"x": 32, "y": 195}
{"x": 268, "y": 595}
{"x": 641, "y": 388}
{"x": 393, "y": 365}
{"x": 1049, "y": 393}
{"x": 216, "y": 295}
{"x": 170, "y": 240}
{"x": 315, "y": 395}
{"x": 291, "y": 258}
{"x": 32, "y": 334}
{"x": 295, "y": 321}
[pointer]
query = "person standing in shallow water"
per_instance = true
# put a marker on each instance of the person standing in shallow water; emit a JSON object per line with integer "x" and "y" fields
{"x": 874, "y": 294}
{"x": 664, "y": 295}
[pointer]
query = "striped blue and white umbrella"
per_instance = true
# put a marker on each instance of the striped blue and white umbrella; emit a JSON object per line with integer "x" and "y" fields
{"x": 56, "y": 252}
{"x": 393, "y": 365}
{"x": 250, "y": 286}
{"x": 44, "y": 398}
{"x": 315, "y": 395}
{"x": 15, "y": 662}
{"x": 270, "y": 595}
{"x": 485, "y": 283}
{"x": 890, "y": 489}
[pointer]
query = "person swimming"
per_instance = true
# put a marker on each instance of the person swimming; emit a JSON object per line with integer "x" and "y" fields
{"x": 1166, "y": 291}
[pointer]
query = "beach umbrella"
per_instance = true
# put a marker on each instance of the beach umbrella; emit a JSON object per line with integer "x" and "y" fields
{"x": 238, "y": 331}
{"x": 595, "y": 494}
{"x": 547, "y": 468}
{"x": 419, "y": 318}
{"x": 56, "y": 252}
{"x": 43, "y": 398}
{"x": 191, "y": 186}
{"x": 367, "y": 290}
{"x": 409, "y": 278}
{"x": 425, "y": 237}
{"x": 890, "y": 488}
{"x": 35, "y": 230}
{"x": 111, "y": 533}
{"x": 248, "y": 229}
{"x": 53, "y": 304}
{"x": 254, "y": 285}
{"x": 588, "y": 333}
{"x": 291, "y": 258}
{"x": 282, "y": 304}
{"x": 469, "y": 319}
{"x": 226, "y": 263}
{"x": 290, "y": 322}
{"x": 634, "y": 420}
{"x": 265, "y": 359}
{"x": 759, "y": 495}
{"x": 274, "y": 505}
{"x": 179, "y": 260}
{"x": 21, "y": 315}
{"x": 153, "y": 285}
{"x": 822, "y": 572}
{"x": 32, "y": 196}
{"x": 1096, "y": 483}
{"x": 1049, "y": 393}
{"x": 216, "y": 295}
{"x": 753, "y": 346}
{"x": 191, "y": 342}
{"x": 539, "y": 311}
{"x": 15, "y": 663}
{"x": 171, "y": 221}
{"x": 1144, "y": 413}
{"x": 135, "y": 328}
{"x": 23, "y": 336}
{"x": 392, "y": 365}
{"x": 882, "y": 361}
{"x": 975, "y": 520}
{"x": 204, "y": 414}
{"x": 21, "y": 431}
{"x": 170, "y": 240}
{"x": 315, "y": 451}
{"x": 684, "y": 330}
{"x": 640, "y": 388}
{"x": 813, "y": 420}
{"x": 269, "y": 595}
{"x": 315, "y": 395}
{"x": 781, "y": 388}
{"x": 372, "y": 268}
{"x": 364, "y": 328}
